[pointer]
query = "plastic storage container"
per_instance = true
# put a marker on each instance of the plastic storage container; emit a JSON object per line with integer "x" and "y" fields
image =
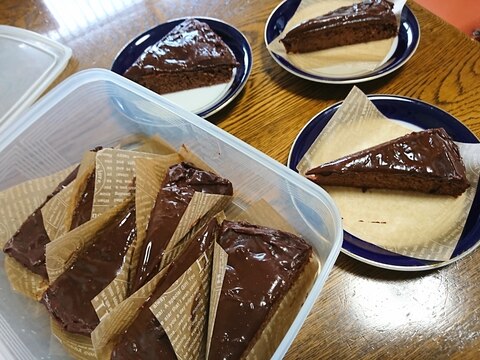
{"x": 29, "y": 63}
{"x": 98, "y": 107}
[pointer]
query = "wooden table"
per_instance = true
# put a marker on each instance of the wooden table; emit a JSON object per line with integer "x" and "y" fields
{"x": 363, "y": 312}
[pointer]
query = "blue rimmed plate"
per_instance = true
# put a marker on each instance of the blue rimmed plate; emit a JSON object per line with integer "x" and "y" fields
{"x": 202, "y": 101}
{"x": 417, "y": 114}
{"x": 406, "y": 44}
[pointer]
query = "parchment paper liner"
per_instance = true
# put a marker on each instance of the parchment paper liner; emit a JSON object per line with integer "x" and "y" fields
{"x": 349, "y": 60}
{"x": 418, "y": 225}
{"x": 115, "y": 173}
{"x": 23, "y": 280}
{"x": 19, "y": 199}
{"x": 121, "y": 317}
{"x": 182, "y": 309}
{"x": 263, "y": 347}
{"x": 220, "y": 260}
{"x": 261, "y": 213}
{"x": 54, "y": 212}
{"x": 78, "y": 346}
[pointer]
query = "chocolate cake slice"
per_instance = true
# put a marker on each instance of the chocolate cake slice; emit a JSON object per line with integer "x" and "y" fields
{"x": 191, "y": 55}
{"x": 145, "y": 338}
{"x": 178, "y": 187}
{"x": 426, "y": 161}
{"x": 362, "y": 22}
{"x": 268, "y": 275}
{"x": 27, "y": 245}
{"x": 69, "y": 297}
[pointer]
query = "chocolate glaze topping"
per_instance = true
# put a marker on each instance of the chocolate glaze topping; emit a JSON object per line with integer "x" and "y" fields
{"x": 178, "y": 188}
{"x": 83, "y": 210}
{"x": 427, "y": 161}
{"x": 367, "y": 11}
{"x": 262, "y": 265}
{"x": 190, "y": 45}
{"x": 359, "y": 23}
{"x": 27, "y": 245}
{"x": 428, "y": 153}
{"x": 69, "y": 297}
{"x": 145, "y": 338}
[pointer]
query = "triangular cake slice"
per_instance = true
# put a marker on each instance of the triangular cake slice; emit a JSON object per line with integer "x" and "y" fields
{"x": 191, "y": 55}
{"x": 359, "y": 23}
{"x": 269, "y": 274}
{"x": 426, "y": 161}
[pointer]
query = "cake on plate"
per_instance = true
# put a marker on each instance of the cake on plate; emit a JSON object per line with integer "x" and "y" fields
{"x": 359, "y": 23}
{"x": 427, "y": 161}
{"x": 190, "y": 56}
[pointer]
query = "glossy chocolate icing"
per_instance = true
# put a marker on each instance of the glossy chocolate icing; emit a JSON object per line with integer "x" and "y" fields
{"x": 83, "y": 210}
{"x": 430, "y": 152}
{"x": 145, "y": 338}
{"x": 178, "y": 188}
{"x": 190, "y": 45}
{"x": 69, "y": 297}
{"x": 27, "y": 245}
{"x": 427, "y": 154}
{"x": 349, "y": 18}
{"x": 376, "y": 10}
{"x": 262, "y": 265}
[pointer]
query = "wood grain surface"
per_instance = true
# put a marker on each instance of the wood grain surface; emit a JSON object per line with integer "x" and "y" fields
{"x": 363, "y": 312}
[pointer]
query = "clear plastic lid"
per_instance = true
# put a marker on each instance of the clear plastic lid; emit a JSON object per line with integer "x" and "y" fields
{"x": 29, "y": 62}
